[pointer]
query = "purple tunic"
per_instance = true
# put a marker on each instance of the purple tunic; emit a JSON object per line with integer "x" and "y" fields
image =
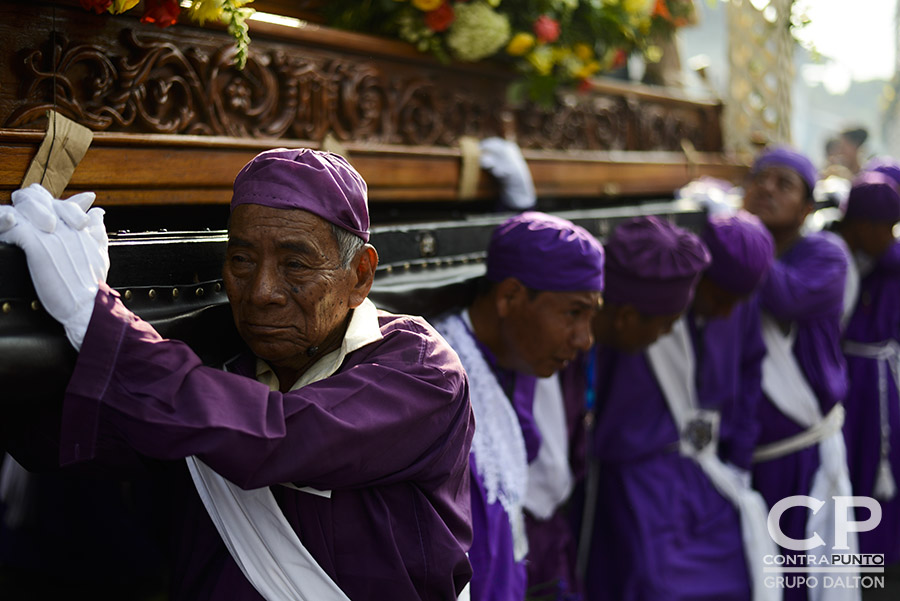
{"x": 389, "y": 434}
{"x": 875, "y": 319}
{"x": 661, "y": 529}
{"x": 805, "y": 286}
{"x": 496, "y": 575}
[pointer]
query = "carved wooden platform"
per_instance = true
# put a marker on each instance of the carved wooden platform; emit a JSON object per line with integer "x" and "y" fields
{"x": 174, "y": 121}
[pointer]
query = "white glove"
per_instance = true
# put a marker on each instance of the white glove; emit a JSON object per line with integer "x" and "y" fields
{"x": 505, "y": 161}
{"x": 66, "y": 248}
{"x": 716, "y": 196}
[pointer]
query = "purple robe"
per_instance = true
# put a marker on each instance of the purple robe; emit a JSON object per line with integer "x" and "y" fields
{"x": 389, "y": 434}
{"x": 496, "y": 575}
{"x": 661, "y": 529}
{"x": 805, "y": 286}
{"x": 875, "y": 319}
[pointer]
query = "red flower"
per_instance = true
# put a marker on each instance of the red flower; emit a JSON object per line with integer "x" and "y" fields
{"x": 619, "y": 60}
{"x": 585, "y": 86}
{"x": 440, "y": 18}
{"x": 98, "y": 6}
{"x": 161, "y": 12}
{"x": 546, "y": 29}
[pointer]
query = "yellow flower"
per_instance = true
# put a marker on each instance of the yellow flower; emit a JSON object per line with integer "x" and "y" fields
{"x": 206, "y": 10}
{"x": 653, "y": 54}
{"x": 561, "y": 53}
{"x": 643, "y": 26}
{"x": 120, "y": 6}
{"x": 583, "y": 51}
{"x": 541, "y": 59}
{"x": 587, "y": 69}
{"x": 427, "y": 5}
{"x": 520, "y": 44}
{"x": 639, "y": 7}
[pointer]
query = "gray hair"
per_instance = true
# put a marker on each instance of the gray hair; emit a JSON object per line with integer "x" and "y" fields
{"x": 349, "y": 244}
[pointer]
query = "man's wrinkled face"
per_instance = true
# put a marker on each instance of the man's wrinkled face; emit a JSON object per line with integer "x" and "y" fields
{"x": 543, "y": 331}
{"x": 284, "y": 279}
{"x": 778, "y": 196}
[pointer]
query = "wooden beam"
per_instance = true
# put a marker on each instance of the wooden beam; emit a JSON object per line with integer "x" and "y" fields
{"x": 128, "y": 169}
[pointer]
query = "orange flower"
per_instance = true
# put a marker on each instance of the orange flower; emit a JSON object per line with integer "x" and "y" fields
{"x": 662, "y": 10}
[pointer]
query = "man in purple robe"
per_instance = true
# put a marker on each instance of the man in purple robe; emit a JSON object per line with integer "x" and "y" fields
{"x": 662, "y": 526}
{"x": 532, "y": 316}
{"x": 804, "y": 374}
{"x": 329, "y": 459}
{"x": 872, "y": 348}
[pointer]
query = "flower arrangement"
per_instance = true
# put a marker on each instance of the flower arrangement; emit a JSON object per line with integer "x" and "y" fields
{"x": 163, "y": 13}
{"x": 551, "y": 42}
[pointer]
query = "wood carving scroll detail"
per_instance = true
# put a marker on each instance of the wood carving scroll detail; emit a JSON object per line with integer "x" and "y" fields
{"x": 154, "y": 86}
{"x": 148, "y": 84}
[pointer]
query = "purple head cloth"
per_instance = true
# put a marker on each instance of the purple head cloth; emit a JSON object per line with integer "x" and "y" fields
{"x": 787, "y": 157}
{"x": 887, "y": 165}
{"x": 742, "y": 251}
{"x": 873, "y": 197}
{"x": 545, "y": 253}
{"x": 653, "y": 266}
{"x": 322, "y": 183}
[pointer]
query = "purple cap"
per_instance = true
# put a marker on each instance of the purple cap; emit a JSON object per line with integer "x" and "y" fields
{"x": 545, "y": 253}
{"x": 787, "y": 157}
{"x": 873, "y": 197}
{"x": 322, "y": 183}
{"x": 887, "y": 165}
{"x": 653, "y": 266}
{"x": 742, "y": 251}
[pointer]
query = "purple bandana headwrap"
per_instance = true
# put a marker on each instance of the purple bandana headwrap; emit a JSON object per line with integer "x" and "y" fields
{"x": 873, "y": 197}
{"x": 742, "y": 251}
{"x": 653, "y": 266}
{"x": 322, "y": 183}
{"x": 886, "y": 165}
{"x": 787, "y": 157}
{"x": 545, "y": 253}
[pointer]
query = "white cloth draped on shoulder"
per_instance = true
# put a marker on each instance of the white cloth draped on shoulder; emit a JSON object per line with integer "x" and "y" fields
{"x": 786, "y": 386}
{"x": 550, "y": 478}
{"x": 672, "y": 360}
{"x": 498, "y": 444}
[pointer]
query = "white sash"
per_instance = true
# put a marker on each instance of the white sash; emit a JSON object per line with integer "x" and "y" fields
{"x": 549, "y": 475}
{"x": 887, "y": 354}
{"x": 786, "y": 386}
{"x": 833, "y": 422}
{"x": 253, "y": 527}
{"x": 672, "y": 360}
{"x": 16, "y": 484}
{"x": 498, "y": 445}
{"x": 261, "y": 540}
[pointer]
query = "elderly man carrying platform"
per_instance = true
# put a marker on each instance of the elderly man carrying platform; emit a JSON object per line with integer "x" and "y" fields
{"x": 329, "y": 459}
